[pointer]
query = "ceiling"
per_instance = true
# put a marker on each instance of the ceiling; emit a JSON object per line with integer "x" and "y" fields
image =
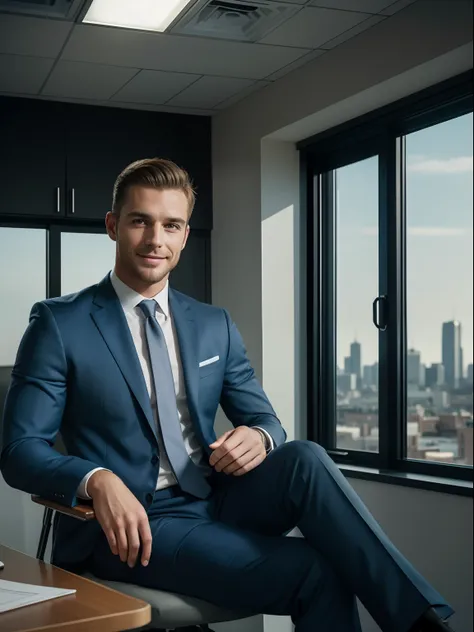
{"x": 58, "y": 59}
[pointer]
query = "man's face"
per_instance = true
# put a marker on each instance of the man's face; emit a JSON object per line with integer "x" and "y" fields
{"x": 150, "y": 234}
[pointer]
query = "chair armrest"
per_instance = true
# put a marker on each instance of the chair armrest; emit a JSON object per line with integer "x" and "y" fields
{"x": 81, "y": 512}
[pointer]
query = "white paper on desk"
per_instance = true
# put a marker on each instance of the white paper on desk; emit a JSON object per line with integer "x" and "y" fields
{"x": 16, "y": 594}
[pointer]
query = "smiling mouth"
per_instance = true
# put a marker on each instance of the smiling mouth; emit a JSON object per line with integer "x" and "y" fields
{"x": 152, "y": 257}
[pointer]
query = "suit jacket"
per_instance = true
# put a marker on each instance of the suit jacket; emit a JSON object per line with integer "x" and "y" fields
{"x": 77, "y": 371}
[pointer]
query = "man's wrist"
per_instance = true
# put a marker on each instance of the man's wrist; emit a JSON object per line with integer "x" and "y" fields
{"x": 97, "y": 480}
{"x": 265, "y": 439}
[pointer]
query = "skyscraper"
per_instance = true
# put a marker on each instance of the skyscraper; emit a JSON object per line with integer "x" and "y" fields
{"x": 346, "y": 382}
{"x": 348, "y": 365}
{"x": 370, "y": 375}
{"x": 356, "y": 359}
{"x": 413, "y": 367}
{"x": 451, "y": 347}
{"x": 435, "y": 375}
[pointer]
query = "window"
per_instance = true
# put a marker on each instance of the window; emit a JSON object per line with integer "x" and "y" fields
{"x": 390, "y": 287}
{"x": 85, "y": 259}
{"x": 439, "y": 214}
{"x": 356, "y": 286}
{"x": 22, "y": 283}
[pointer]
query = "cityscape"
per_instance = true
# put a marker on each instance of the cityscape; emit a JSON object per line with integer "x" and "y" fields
{"x": 439, "y": 398}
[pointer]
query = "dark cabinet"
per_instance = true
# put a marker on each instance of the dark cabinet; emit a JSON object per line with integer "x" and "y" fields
{"x": 119, "y": 137}
{"x": 62, "y": 159}
{"x": 32, "y": 164}
{"x": 101, "y": 142}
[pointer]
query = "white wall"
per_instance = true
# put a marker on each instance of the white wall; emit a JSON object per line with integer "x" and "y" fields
{"x": 256, "y": 242}
{"x": 434, "y": 531}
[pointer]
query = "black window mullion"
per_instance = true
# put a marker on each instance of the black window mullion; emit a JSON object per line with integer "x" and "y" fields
{"x": 316, "y": 425}
{"x": 392, "y": 345}
{"x": 53, "y": 261}
{"x": 327, "y": 289}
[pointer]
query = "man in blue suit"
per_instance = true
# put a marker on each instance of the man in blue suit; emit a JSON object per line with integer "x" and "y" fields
{"x": 132, "y": 373}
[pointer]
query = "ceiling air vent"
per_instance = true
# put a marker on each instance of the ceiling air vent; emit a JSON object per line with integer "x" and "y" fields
{"x": 234, "y": 19}
{"x": 45, "y": 8}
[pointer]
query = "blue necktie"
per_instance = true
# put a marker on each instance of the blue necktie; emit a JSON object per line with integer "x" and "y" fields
{"x": 189, "y": 476}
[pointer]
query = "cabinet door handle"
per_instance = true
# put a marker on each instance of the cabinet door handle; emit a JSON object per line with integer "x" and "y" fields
{"x": 58, "y": 199}
{"x": 73, "y": 201}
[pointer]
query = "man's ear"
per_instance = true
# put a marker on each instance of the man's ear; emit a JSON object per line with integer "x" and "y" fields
{"x": 111, "y": 225}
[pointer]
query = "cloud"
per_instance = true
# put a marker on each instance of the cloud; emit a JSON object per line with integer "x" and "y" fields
{"x": 370, "y": 231}
{"x": 461, "y": 164}
{"x": 424, "y": 231}
{"x": 436, "y": 231}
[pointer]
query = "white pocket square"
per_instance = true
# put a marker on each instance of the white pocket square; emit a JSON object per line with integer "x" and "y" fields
{"x": 209, "y": 361}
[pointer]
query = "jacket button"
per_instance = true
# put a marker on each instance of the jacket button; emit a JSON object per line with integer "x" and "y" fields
{"x": 154, "y": 459}
{"x": 149, "y": 498}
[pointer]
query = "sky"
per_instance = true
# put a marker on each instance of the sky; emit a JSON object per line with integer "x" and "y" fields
{"x": 439, "y": 243}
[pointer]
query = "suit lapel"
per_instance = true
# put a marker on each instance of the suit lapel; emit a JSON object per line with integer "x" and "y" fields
{"x": 186, "y": 331}
{"x": 110, "y": 320}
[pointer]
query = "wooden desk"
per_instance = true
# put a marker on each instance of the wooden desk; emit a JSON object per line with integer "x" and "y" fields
{"x": 93, "y": 608}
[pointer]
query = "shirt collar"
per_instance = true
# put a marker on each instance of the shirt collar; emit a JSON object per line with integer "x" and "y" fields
{"x": 130, "y": 299}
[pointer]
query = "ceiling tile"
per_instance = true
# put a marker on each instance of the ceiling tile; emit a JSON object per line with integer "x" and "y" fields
{"x": 86, "y": 81}
{"x": 208, "y": 92}
{"x": 22, "y": 74}
{"x": 21, "y": 35}
{"x": 366, "y": 6}
{"x": 154, "y": 86}
{"x": 314, "y": 54}
{"x": 397, "y": 6}
{"x": 158, "y": 51}
{"x": 311, "y": 27}
{"x": 258, "y": 85}
{"x": 363, "y": 26}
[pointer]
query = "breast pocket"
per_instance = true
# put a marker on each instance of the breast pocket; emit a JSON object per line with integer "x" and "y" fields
{"x": 209, "y": 365}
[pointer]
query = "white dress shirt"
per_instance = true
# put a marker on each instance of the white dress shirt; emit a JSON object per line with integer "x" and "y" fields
{"x": 130, "y": 300}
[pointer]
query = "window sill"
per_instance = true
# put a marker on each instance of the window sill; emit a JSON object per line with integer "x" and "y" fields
{"x": 419, "y": 481}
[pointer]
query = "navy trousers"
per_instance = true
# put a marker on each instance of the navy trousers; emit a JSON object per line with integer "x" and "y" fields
{"x": 231, "y": 549}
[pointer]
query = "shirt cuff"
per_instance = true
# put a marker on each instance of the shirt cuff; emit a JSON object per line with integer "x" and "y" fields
{"x": 269, "y": 443}
{"x": 82, "y": 489}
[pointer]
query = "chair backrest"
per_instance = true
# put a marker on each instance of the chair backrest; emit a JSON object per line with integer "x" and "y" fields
{"x": 5, "y": 376}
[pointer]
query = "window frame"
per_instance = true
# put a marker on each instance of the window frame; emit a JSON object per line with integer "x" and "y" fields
{"x": 53, "y": 243}
{"x": 380, "y": 133}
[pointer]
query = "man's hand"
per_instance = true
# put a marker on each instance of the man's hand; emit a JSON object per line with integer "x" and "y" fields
{"x": 238, "y": 451}
{"x": 122, "y": 518}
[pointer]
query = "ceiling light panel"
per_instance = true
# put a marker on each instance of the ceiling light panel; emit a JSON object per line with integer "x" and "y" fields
{"x": 144, "y": 15}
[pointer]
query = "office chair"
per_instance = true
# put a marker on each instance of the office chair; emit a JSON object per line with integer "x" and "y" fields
{"x": 170, "y": 611}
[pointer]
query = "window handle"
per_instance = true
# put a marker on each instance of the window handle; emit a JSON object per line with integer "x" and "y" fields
{"x": 73, "y": 201}
{"x": 379, "y": 316}
{"x": 58, "y": 199}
